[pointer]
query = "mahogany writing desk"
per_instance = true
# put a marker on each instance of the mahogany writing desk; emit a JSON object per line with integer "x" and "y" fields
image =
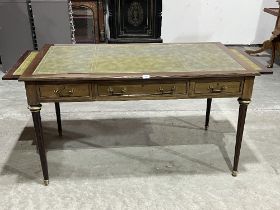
{"x": 71, "y": 73}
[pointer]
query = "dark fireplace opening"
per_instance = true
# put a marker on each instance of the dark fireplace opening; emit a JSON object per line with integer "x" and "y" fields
{"x": 135, "y": 20}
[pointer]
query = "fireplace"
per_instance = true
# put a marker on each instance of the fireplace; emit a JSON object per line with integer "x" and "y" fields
{"x": 134, "y": 21}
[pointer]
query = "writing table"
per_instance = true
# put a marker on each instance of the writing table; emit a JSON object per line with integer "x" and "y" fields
{"x": 71, "y": 73}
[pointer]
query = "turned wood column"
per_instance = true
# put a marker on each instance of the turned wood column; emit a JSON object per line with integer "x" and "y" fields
{"x": 35, "y": 110}
{"x": 243, "y": 104}
{"x": 58, "y": 118}
{"x": 208, "y": 110}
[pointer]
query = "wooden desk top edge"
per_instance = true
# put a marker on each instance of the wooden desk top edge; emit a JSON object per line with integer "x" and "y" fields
{"x": 28, "y": 74}
{"x": 10, "y": 73}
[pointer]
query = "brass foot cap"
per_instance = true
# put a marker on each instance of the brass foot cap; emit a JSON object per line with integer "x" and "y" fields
{"x": 234, "y": 173}
{"x": 46, "y": 182}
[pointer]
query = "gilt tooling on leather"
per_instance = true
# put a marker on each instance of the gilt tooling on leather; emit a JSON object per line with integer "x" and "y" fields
{"x": 136, "y": 58}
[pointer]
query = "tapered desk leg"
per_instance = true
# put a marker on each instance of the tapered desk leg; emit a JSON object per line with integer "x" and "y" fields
{"x": 35, "y": 110}
{"x": 239, "y": 135}
{"x": 58, "y": 118}
{"x": 208, "y": 110}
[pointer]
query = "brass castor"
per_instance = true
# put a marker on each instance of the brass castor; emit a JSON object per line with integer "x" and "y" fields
{"x": 234, "y": 173}
{"x": 46, "y": 182}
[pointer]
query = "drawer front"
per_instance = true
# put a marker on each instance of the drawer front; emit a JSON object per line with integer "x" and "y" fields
{"x": 218, "y": 88}
{"x": 65, "y": 91}
{"x": 141, "y": 90}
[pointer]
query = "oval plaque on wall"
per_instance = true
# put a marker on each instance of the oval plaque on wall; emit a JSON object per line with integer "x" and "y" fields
{"x": 135, "y": 14}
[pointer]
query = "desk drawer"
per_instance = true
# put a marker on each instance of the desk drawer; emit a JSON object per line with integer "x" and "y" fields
{"x": 216, "y": 88}
{"x": 65, "y": 91}
{"x": 141, "y": 89}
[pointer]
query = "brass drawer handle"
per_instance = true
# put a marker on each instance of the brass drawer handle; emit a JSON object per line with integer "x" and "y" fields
{"x": 113, "y": 93}
{"x": 217, "y": 89}
{"x": 64, "y": 92}
{"x": 168, "y": 92}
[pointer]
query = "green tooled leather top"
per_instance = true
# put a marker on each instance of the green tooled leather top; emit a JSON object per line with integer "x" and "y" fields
{"x": 136, "y": 58}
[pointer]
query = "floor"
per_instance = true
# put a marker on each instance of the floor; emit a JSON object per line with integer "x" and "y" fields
{"x": 142, "y": 154}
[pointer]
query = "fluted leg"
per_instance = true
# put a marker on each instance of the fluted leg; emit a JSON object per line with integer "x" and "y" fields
{"x": 239, "y": 135}
{"x": 58, "y": 118}
{"x": 208, "y": 110}
{"x": 35, "y": 110}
